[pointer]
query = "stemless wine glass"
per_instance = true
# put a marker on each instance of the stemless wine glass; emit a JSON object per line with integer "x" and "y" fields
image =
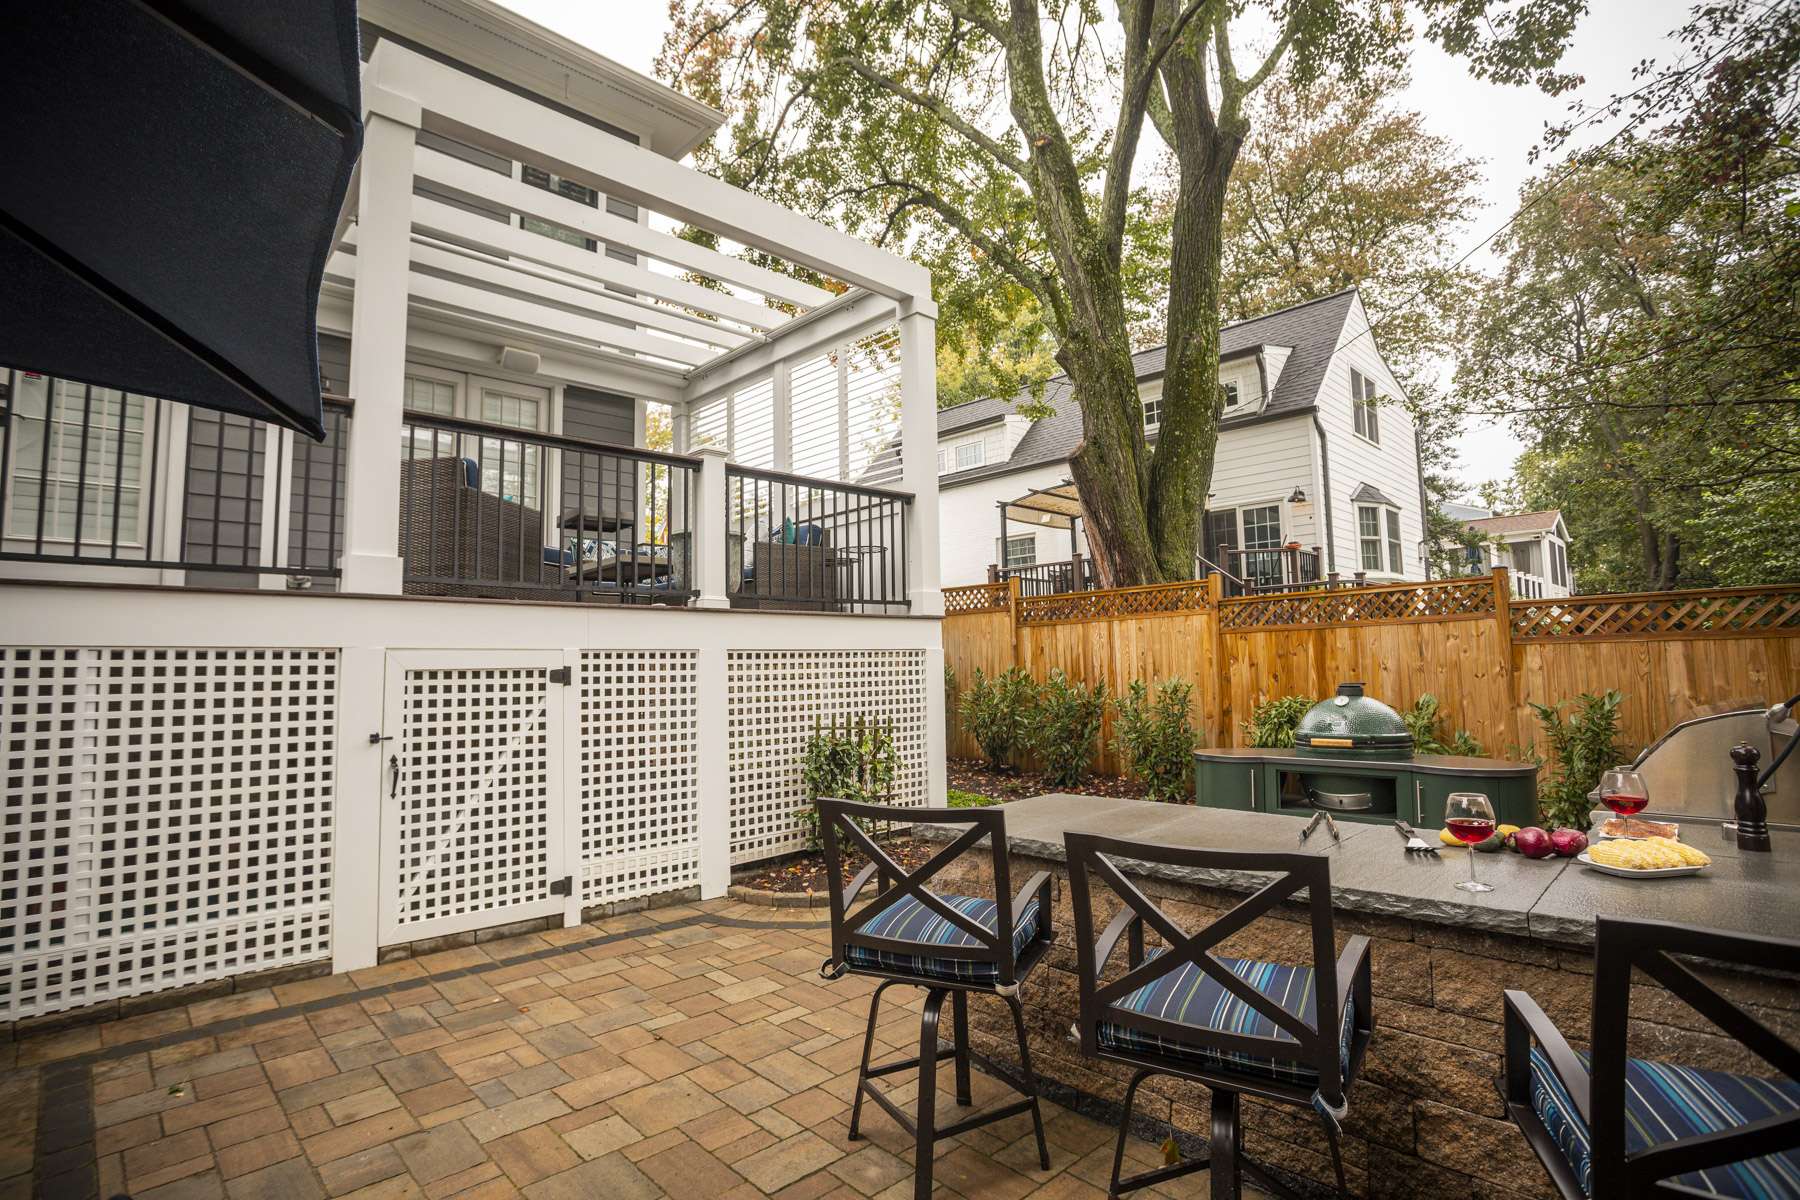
{"x": 1623, "y": 790}
{"x": 1470, "y": 819}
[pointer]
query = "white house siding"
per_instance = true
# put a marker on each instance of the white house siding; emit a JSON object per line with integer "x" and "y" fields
{"x": 969, "y": 523}
{"x": 1263, "y": 464}
{"x": 1389, "y": 466}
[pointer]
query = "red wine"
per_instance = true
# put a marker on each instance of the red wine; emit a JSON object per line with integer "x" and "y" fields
{"x": 1623, "y": 804}
{"x": 1470, "y": 829}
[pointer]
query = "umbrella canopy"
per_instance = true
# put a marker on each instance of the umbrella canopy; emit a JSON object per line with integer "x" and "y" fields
{"x": 173, "y": 177}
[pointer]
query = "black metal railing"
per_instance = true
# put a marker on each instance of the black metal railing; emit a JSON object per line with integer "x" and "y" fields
{"x": 88, "y": 475}
{"x": 1273, "y": 569}
{"x": 494, "y": 511}
{"x": 811, "y": 545}
{"x": 1050, "y": 578}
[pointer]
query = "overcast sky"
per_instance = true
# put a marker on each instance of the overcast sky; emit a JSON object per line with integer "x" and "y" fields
{"x": 1496, "y": 124}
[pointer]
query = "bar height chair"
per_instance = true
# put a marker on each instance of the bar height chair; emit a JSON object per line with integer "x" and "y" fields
{"x": 1292, "y": 1034}
{"x": 1608, "y": 1126}
{"x": 950, "y": 945}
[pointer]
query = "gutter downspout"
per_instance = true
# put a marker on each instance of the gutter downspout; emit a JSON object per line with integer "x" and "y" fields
{"x": 1424, "y": 506}
{"x": 1325, "y": 471}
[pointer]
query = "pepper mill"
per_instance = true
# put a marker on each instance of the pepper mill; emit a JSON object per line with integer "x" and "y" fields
{"x": 1752, "y": 809}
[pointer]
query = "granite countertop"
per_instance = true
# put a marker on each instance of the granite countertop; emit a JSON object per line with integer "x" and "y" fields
{"x": 1552, "y": 899}
{"x": 1446, "y": 764}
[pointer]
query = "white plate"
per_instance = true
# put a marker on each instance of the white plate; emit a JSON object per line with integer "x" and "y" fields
{"x": 1628, "y": 873}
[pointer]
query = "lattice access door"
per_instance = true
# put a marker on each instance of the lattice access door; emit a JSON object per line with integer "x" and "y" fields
{"x": 474, "y": 816}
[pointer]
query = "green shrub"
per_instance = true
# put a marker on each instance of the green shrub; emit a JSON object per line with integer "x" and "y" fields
{"x": 1155, "y": 737}
{"x": 850, "y": 760}
{"x": 1424, "y": 721}
{"x": 998, "y": 712}
{"x": 956, "y": 799}
{"x": 1583, "y": 746}
{"x": 1272, "y": 722}
{"x": 1064, "y": 728}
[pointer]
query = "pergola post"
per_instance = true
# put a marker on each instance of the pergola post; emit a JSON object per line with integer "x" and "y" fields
{"x": 918, "y": 455}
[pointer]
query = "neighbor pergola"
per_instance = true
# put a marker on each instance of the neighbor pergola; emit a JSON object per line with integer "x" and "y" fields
{"x": 1056, "y": 507}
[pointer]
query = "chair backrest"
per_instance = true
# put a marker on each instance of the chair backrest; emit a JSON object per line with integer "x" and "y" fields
{"x": 1622, "y": 945}
{"x": 1091, "y": 856}
{"x": 840, "y": 828}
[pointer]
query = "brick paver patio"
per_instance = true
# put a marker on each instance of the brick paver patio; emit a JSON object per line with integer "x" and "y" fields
{"x": 690, "y": 1052}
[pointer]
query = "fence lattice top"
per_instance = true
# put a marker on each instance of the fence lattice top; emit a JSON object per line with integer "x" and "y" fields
{"x": 979, "y": 597}
{"x": 1117, "y": 602}
{"x": 1402, "y": 602}
{"x": 1714, "y": 611}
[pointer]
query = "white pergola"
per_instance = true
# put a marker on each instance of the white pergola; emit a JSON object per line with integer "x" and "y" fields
{"x": 755, "y": 364}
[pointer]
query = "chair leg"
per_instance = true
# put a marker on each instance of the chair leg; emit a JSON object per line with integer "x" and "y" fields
{"x": 1124, "y": 1132}
{"x": 1031, "y": 1087}
{"x": 1337, "y": 1159}
{"x": 1226, "y": 1181}
{"x": 925, "y": 1154}
{"x": 863, "y": 1073}
{"x": 959, "y": 1020}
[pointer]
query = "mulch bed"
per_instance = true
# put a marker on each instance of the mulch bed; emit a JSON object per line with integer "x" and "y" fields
{"x": 972, "y": 775}
{"x": 806, "y": 872}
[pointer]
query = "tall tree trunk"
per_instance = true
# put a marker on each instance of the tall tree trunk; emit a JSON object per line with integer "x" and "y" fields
{"x": 1109, "y": 468}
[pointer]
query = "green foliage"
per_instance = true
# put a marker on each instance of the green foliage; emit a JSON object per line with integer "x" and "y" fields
{"x": 1064, "y": 727}
{"x": 1582, "y": 747}
{"x": 1155, "y": 737}
{"x": 997, "y": 712}
{"x": 956, "y": 799}
{"x": 1425, "y": 722}
{"x": 1272, "y": 722}
{"x": 853, "y": 759}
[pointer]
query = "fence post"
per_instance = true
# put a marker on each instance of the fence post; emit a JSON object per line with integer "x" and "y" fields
{"x": 1215, "y": 595}
{"x": 1012, "y": 616}
{"x": 1507, "y": 677}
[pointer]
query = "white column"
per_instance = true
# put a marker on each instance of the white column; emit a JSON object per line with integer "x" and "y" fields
{"x": 371, "y": 560}
{"x": 715, "y": 773}
{"x": 709, "y": 527}
{"x": 356, "y": 820}
{"x": 782, "y": 387}
{"x": 918, "y": 461}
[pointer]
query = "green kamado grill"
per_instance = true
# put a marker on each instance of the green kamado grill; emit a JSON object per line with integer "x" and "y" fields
{"x": 1349, "y": 726}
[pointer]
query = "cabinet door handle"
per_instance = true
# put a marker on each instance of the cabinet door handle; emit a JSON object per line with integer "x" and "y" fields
{"x": 1418, "y": 803}
{"x": 1252, "y": 789}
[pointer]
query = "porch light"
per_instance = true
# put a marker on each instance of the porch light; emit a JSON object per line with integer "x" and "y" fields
{"x": 1299, "y": 497}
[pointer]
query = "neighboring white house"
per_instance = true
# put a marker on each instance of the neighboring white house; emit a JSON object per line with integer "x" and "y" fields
{"x": 1311, "y": 451}
{"x": 1533, "y": 546}
{"x": 483, "y": 658}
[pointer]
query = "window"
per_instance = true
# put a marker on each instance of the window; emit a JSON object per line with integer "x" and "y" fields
{"x": 1362, "y": 400}
{"x": 1559, "y": 565}
{"x": 1525, "y": 558}
{"x": 1396, "y": 559}
{"x": 968, "y": 455}
{"x": 433, "y": 397}
{"x": 569, "y": 190}
{"x": 963, "y": 455}
{"x": 69, "y": 444}
{"x": 1368, "y": 533}
{"x": 509, "y": 469}
{"x": 1021, "y": 551}
{"x": 1262, "y": 527}
{"x": 1228, "y": 393}
{"x": 1153, "y": 411}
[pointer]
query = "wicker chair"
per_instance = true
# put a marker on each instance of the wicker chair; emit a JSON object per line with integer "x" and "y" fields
{"x": 459, "y": 540}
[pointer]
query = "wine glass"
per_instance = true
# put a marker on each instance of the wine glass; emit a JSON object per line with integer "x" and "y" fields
{"x": 1623, "y": 790}
{"x": 1470, "y": 819}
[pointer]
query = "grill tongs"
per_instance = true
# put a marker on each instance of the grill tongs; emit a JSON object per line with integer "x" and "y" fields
{"x": 1320, "y": 814}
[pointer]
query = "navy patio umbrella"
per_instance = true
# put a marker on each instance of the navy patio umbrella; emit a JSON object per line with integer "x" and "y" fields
{"x": 171, "y": 174}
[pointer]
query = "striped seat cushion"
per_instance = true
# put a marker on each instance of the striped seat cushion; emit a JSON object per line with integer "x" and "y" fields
{"x": 1665, "y": 1102}
{"x": 908, "y": 920}
{"x": 1189, "y": 996}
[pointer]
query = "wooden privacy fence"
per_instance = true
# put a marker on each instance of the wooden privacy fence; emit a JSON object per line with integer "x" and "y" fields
{"x": 1485, "y": 656}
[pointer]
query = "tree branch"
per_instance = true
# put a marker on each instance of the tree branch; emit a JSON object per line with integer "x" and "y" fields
{"x": 942, "y": 111}
{"x": 1028, "y": 277}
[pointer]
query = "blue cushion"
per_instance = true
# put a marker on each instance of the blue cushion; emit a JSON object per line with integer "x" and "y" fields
{"x": 1665, "y": 1102}
{"x": 908, "y": 920}
{"x": 1189, "y": 996}
{"x": 471, "y": 473}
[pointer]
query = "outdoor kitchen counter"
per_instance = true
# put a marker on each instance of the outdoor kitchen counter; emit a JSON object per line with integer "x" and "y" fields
{"x": 1425, "y": 1118}
{"x": 1554, "y": 899}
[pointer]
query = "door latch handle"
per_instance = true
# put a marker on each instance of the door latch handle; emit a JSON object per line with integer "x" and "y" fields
{"x": 375, "y": 739}
{"x": 394, "y": 783}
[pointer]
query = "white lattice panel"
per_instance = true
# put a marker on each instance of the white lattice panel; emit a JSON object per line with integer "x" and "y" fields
{"x": 167, "y": 818}
{"x": 640, "y": 773}
{"x": 471, "y": 838}
{"x": 775, "y": 698}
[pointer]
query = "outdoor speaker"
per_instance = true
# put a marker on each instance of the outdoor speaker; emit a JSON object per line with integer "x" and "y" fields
{"x": 523, "y": 361}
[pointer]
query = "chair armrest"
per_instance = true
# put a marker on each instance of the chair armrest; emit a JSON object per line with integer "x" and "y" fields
{"x": 1526, "y": 1023}
{"x": 1352, "y": 965}
{"x": 1108, "y": 940}
{"x": 856, "y": 885}
{"x": 1037, "y": 883}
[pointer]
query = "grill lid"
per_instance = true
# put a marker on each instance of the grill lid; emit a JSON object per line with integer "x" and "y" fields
{"x": 1352, "y": 724}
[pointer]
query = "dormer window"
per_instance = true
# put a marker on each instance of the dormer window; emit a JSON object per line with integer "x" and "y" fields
{"x": 1152, "y": 411}
{"x": 1228, "y": 394}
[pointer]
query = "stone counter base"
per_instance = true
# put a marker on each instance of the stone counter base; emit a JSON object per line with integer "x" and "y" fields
{"x": 1426, "y": 1116}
